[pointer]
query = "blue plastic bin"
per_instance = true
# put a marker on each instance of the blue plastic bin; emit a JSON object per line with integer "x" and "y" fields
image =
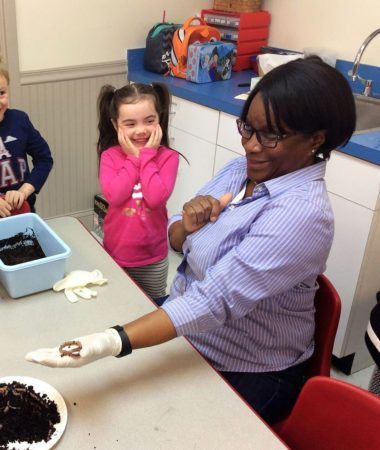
{"x": 40, "y": 274}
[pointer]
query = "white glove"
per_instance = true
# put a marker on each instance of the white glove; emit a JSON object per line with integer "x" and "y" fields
{"x": 94, "y": 346}
{"x": 74, "y": 284}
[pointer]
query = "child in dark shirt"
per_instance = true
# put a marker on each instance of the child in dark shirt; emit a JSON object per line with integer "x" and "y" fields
{"x": 19, "y": 138}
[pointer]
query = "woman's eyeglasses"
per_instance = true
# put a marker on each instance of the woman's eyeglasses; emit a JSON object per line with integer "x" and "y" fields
{"x": 265, "y": 138}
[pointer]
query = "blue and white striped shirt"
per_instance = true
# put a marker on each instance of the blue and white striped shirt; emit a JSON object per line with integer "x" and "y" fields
{"x": 244, "y": 291}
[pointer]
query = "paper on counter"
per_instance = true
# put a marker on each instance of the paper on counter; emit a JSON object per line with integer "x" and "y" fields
{"x": 243, "y": 96}
{"x": 268, "y": 61}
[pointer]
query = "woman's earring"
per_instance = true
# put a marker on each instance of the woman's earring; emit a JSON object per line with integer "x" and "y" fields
{"x": 313, "y": 150}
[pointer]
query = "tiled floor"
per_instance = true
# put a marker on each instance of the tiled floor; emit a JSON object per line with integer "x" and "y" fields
{"x": 360, "y": 378}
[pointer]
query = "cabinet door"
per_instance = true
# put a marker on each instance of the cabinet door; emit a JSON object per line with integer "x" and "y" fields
{"x": 222, "y": 157}
{"x": 195, "y": 119}
{"x": 228, "y": 135}
{"x": 352, "y": 225}
{"x": 353, "y": 179}
{"x": 191, "y": 177}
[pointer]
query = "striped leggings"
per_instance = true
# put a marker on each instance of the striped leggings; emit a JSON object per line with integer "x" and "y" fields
{"x": 152, "y": 278}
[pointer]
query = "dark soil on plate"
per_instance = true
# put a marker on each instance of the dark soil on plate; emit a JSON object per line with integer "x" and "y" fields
{"x": 25, "y": 416}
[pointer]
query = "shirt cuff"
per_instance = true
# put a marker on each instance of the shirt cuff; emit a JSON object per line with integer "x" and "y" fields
{"x": 182, "y": 316}
{"x": 131, "y": 159}
{"x": 148, "y": 151}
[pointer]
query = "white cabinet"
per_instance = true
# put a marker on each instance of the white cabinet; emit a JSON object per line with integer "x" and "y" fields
{"x": 354, "y": 262}
{"x": 222, "y": 157}
{"x": 208, "y": 138}
{"x": 228, "y": 135}
{"x": 194, "y": 119}
{"x": 194, "y": 175}
{"x": 193, "y": 131}
{"x": 229, "y": 141}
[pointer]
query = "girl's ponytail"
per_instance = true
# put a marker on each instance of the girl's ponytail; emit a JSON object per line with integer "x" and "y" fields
{"x": 107, "y": 132}
{"x": 164, "y": 99}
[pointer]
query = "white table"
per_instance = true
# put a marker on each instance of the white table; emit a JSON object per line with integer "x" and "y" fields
{"x": 166, "y": 397}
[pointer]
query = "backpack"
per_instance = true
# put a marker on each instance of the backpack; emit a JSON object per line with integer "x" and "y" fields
{"x": 158, "y": 47}
{"x": 186, "y": 35}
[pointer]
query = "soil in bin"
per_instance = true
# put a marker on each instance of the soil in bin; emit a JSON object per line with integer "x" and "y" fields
{"x": 20, "y": 248}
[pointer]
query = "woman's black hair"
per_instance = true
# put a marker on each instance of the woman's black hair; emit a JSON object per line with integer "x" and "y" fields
{"x": 110, "y": 99}
{"x": 307, "y": 95}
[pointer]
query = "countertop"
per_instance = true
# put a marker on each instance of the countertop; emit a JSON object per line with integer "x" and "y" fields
{"x": 164, "y": 397}
{"x": 221, "y": 96}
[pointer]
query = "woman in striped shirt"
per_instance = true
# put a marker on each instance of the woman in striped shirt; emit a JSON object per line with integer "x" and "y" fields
{"x": 254, "y": 240}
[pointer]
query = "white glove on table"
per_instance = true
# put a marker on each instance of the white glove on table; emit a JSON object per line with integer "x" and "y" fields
{"x": 94, "y": 346}
{"x": 74, "y": 284}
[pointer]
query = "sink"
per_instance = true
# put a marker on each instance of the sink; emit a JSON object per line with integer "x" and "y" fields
{"x": 367, "y": 112}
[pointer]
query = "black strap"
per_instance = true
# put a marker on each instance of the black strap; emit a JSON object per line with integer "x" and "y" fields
{"x": 126, "y": 347}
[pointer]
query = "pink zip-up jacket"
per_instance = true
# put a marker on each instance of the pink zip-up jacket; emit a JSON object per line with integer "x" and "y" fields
{"x": 137, "y": 189}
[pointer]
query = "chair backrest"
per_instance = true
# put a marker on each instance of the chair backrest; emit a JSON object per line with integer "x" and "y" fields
{"x": 331, "y": 414}
{"x": 327, "y": 313}
{"x": 25, "y": 208}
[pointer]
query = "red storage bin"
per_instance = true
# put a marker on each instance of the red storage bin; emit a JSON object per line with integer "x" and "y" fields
{"x": 249, "y": 31}
{"x": 250, "y": 48}
{"x": 242, "y": 62}
{"x": 245, "y": 20}
{"x": 235, "y": 36}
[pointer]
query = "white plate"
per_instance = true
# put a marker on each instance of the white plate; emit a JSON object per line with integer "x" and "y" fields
{"x": 42, "y": 388}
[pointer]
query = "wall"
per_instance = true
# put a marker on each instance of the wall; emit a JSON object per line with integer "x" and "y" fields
{"x": 56, "y": 33}
{"x": 65, "y": 114}
{"x": 66, "y": 53}
{"x": 340, "y": 25}
{"x": 67, "y": 50}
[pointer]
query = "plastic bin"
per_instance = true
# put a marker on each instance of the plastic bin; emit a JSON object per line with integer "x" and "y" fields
{"x": 40, "y": 274}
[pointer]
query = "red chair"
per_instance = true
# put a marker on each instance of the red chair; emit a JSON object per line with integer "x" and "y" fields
{"x": 25, "y": 208}
{"x": 327, "y": 313}
{"x": 333, "y": 415}
{"x": 327, "y": 305}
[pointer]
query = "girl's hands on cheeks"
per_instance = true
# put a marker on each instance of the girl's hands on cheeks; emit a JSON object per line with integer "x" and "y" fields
{"x": 203, "y": 209}
{"x": 5, "y": 208}
{"x": 126, "y": 144}
{"x": 155, "y": 138}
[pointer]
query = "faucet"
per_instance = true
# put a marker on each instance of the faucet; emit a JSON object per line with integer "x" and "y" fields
{"x": 354, "y": 72}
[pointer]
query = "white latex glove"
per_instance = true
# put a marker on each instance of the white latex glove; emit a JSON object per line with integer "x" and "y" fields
{"x": 74, "y": 284}
{"x": 94, "y": 346}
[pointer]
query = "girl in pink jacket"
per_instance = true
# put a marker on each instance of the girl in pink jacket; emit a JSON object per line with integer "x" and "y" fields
{"x": 137, "y": 175}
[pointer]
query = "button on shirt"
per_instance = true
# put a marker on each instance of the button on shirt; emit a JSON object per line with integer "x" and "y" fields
{"x": 244, "y": 292}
